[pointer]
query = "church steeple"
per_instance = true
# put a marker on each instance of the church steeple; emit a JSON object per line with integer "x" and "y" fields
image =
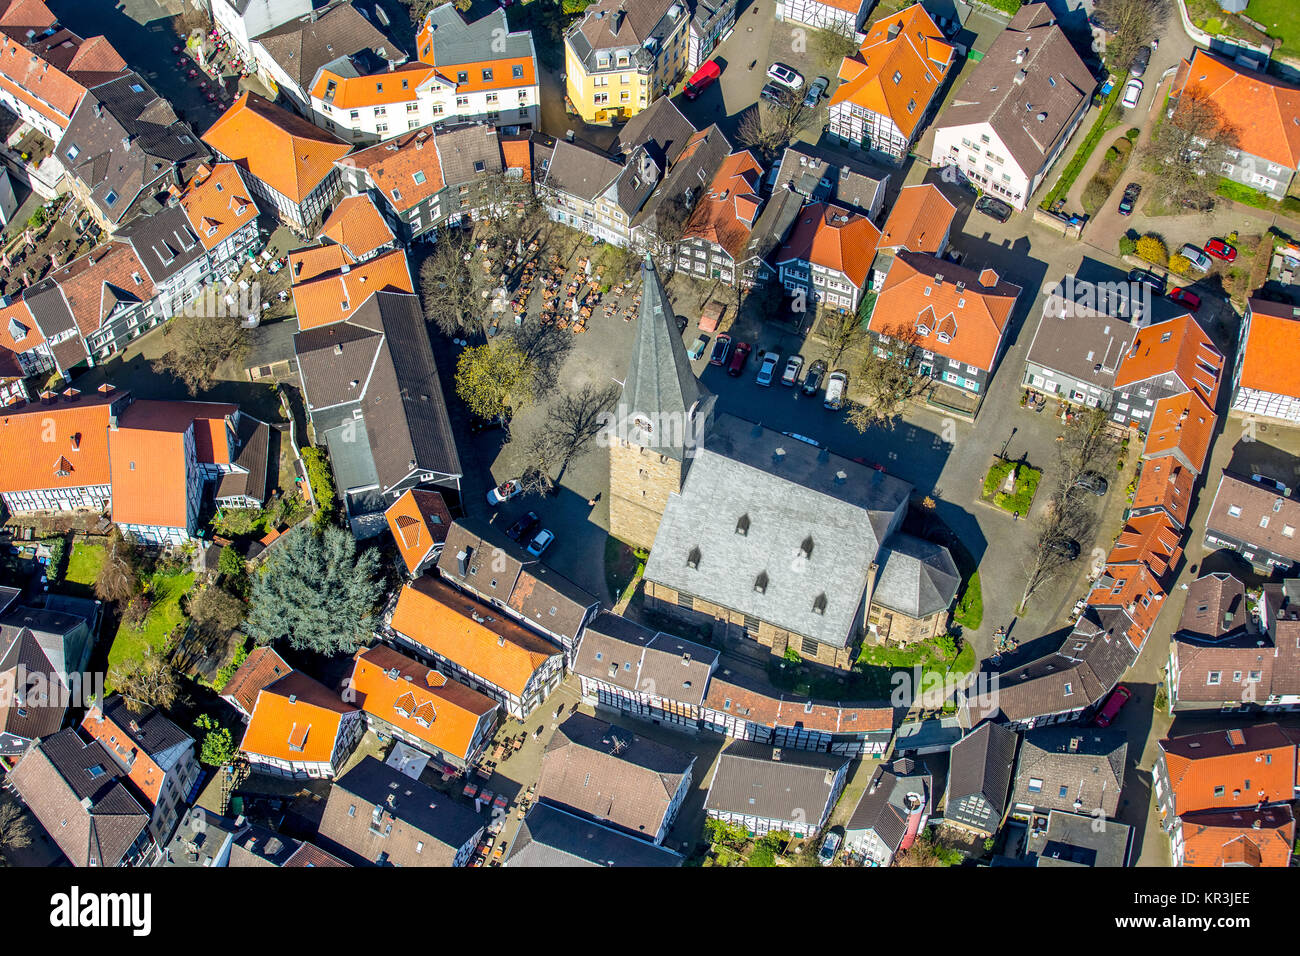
{"x": 664, "y": 408}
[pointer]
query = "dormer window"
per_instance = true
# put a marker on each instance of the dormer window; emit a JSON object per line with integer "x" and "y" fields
{"x": 693, "y": 558}
{"x": 742, "y": 525}
{"x": 819, "y": 603}
{"x": 760, "y": 582}
{"x": 806, "y": 548}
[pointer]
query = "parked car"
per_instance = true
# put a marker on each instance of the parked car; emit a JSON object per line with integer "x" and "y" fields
{"x": 785, "y": 75}
{"x": 698, "y": 347}
{"x": 541, "y": 541}
{"x": 1065, "y": 546}
{"x": 504, "y": 491}
{"x": 1132, "y": 93}
{"x": 1196, "y": 256}
{"x": 1131, "y": 193}
{"x": 803, "y": 438}
{"x": 1221, "y": 250}
{"x": 1183, "y": 297}
{"x": 1092, "y": 482}
{"x": 1149, "y": 278}
{"x": 792, "y": 366}
{"x": 993, "y": 208}
{"x": 1272, "y": 483}
{"x": 721, "y": 349}
{"x": 772, "y": 92}
{"x": 813, "y": 380}
{"x": 1141, "y": 60}
{"x": 479, "y": 425}
{"x": 815, "y": 90}
{"x": 836, "y": 385}
{"x": 830, "y": 846}
{"x": 738, "y": 358}
{"x": 1120, "y": 696}
{"x": 524, "y": 527}
{"x": 702, "y": 79}
{"x": 767, "y": 368}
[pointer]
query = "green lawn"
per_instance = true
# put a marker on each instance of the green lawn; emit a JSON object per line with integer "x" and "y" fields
{"x": 1020, "y": 500}
{"x": 1279, "y": 18}
{"x": 83, "y": 567}
{"x": 970, "y": 609}
{"x": 162, "y": 618}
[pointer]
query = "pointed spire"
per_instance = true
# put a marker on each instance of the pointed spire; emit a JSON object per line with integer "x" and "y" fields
{"x": 664, "y": 408}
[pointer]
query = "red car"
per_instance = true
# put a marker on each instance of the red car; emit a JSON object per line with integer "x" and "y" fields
{"x": 1183, "y": 297}
{"x": 1221, "y": 250}
{"x": 1118, "y": 698}
{"x": 738, "y": 358}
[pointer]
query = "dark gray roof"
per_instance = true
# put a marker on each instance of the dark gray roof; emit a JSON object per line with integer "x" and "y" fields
{"x": 468, "y": 153}
{"x": 580, "y": 172}
{"x": 551, "y": 837}
{"x": 1028, "y": 87}
{"x": 609, "y": 774}
{"x": 917, "y": 577}
{"x": 164, "y": 242}
{"x": 660, "y": 387}
{"x": 640, "y": 176}
{"x": 981, "y": 763}
{"x": 750, "y": 779}
{"x": 660, "y": 128}
{"x": 377, "y": 814}
{"x": 257, "y": 845}
{"x": 1073, "y": 839}
{"x": 127, "y": 140}
{"x": 895, "y": 792}
{"x": 199, "y": 839}
{"x": 616, "y": 24}
{"x": 74, "y": 789}
{"x": 778, "y": 215}
{"x": 150, "y": 730}
{"x": 303, "y": 45}
{"x": 487, "y": 38}
{"x": 398, "y": 389}
{"x": 53, "y": 316}
{"x": 1215, "y": 609}
{"x": 677, "y": 669}
{"x": 254, "y": 438}
{"x": 694, "y": 171}
{"x": 794, "y": 548}
{"x": 1071, "y": 768}
{"x": 819, "y": 174}
{"x": 1086, "y": 342}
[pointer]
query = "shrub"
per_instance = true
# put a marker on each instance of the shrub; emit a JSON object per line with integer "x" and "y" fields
{"x": 1152, "y": 249}
{"x": 228, "y": 671}
{"x": 1179, "y": 263}
{"x": 1133, "y": 134}
{"x": 322, "y": 484}
{"x": 137, "y": 609}
{"x": 1127, "y": 245}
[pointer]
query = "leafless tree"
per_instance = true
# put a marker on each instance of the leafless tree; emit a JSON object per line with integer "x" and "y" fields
{"x": 769, "y": 127}
{"x": 118, "y": 579}
{"x": 834, "y": 43}
{"x": 149, "y": 680}
{"x": 889, "y": 375}
{"x": 545, "y": 348}
{"x": 1189, "y": 149}
{"x": 576, "y": 418}
{"x": 1046, "y": 558}
{"x": 200, "y": 345}
{"x": 1134, "y": 23}
{"x": 15, "y": 831}
{"x": 453, "y": 283}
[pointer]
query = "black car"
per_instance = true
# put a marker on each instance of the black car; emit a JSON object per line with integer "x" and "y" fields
{"x": 812, "y": 381}
{"x": 1092, "y": 482}
{"x": 772, "y": 93}
{"x": 993, "y": 208}
{"x": 524, "y": 527}
{"x": 1131, "y": 193}
{"x": 1065, "y": 546}
{"x": 1150, "y": 278}
{"x": 1141, "y": 61}
{"x": 479, "y": 425}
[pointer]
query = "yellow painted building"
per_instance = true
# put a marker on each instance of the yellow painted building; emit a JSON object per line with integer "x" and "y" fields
{"x": 623, "y": 54}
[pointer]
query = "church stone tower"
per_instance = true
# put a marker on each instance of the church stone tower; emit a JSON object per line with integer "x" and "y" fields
{"x": 661, "y": 418}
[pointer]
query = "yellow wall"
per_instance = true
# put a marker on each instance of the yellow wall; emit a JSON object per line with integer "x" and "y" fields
{"x": 582, "y": 91}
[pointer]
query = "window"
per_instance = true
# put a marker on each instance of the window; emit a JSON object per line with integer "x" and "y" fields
{"x": 110, "y": 198}
{"x": 418, "y": 176}
{"x": 1064, "y": 791}
{"x": 381, "y": 110}
{"x": 517, "y": 72}
{"x": 73, "y": 151}
{"x": 1218, "y": 791}
{"x": 1234, "y": 511}
{"x": 354, "y": 114}
{"x": 1213, "y": 678}
{"x": 809, "y": 647}
{"x": 487, "y": 75}
{"x": 898, "y": 77}
{"x": 1035, "y": 785}
{"x": 462, "y": 77}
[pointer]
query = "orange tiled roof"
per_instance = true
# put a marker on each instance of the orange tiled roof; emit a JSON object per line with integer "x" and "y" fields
{"x": 1179, "y": 347}
{"x": 80, "y": 446}
{"x": 96, "y": 283}
{"x": 218, "y": 204}
{"x": 503, "y": 77}
{"x": 356, "y": 225}
{"x": 919, "y": 221}
{"x": 419, "y": 520}
{"x": 418, "y": 699}
{"x": 261, "y": 667}
{"x": 726, "y": 213}
{"x": 886, "y": 74}
{"x": 1183, "y": 425}
{"x": 51, "y": 74}
{"x": 406, "y": 169}
{"x": 1263, "y": 110}
{"x": 517, "y": 154}
{"x": 144, "y": 771}
{"x": 1247, "y": 837}
{"x": 295, "y": 719}
{"x": 18, "y": 316}
{"x": 1166, "y": 483}
{"x": 1151, "y": 539}
{"x": 1272, "y": 344}
{"x": 288, "y": 153}
{"x": 376, "y": 89}
{"x": 492, "y": 647}
{"x": 835, "y": 238}
{"x": 333, "y": 297}
{"x": 313, "y": 261}
{"x": 1199, "y": 764}
{"x": 972, "y": 317}
{"x": 1135, "y": 589}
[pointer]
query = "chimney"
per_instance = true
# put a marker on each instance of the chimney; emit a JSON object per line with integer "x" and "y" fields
{"x": 462, "y": 562}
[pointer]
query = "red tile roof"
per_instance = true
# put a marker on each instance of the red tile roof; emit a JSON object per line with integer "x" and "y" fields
{"x": 1237, "y": 769}
{"x": 1181, "y": 425}
{"x": 1151, "y": 539}
{"x": 1250, "y": 837}
{"x": 263, "y": 666}
{"x": 832, "y": 237}
{"x": 218, "y": 204}
{"x": 95, "y": 284}
{"x": 419, "y": 521}
{"x": 295, "y": 719}
{"x": 1166, "y": 483}
{"x": 726, "y": 213}
{"x": 1178, "y": 347}
{"x": 356, "y": 225}
{"x": 406, "y": 169}
{"x": 1134, "y": 589}
{"x": 70, "y": 435}
{"x": 920, "y": 220}
{"x": 1272, "y": 342}
{"x": 1262, "y": 109}
{"x": 335, "y": 295}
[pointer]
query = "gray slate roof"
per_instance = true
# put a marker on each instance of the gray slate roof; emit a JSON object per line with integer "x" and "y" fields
{"x": 550, "y": 837}
{"x": 890, "y": 799}
{"x": 663, "y": 664}
{"x": 1086, "y": 762}
{"x": 580, "y": 172}
{"x": 487, "y": 38}
{"x": 462, "y": 149}
{"x": 660, "y": 387}
{"x": 981, "y": 763}
{"x": 304, "y": 45}
{"x": 164, "y": 242}
{"x": 917, "y": 577}
{"x": 812, "y": 524}
{"x": 661, "y": 128}
{"x": 1073, "y": 839}
{"x": 798, "y": 786}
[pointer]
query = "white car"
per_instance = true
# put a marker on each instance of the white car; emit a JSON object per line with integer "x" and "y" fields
{"x": 1197, "y": 257}
{"x": 1132, "y": 91}
{"x": 767, "y": 368}
{"x": 504, "y": 491}
{"x": 836, "y": 385}
{"x": 785, "y": 76}
{"x": 792, "y": 368}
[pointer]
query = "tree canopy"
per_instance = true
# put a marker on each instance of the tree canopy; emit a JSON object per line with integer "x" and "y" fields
{"x": 494, "y": 378}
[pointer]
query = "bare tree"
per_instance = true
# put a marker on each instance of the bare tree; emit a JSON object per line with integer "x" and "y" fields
{"x": 889, "y": 375}
{"x": 1086, "y": 444}
{"x": 839, "y": 331}
{"x": 544, "y": 348}
{"x": 200, "y": 345}
{"x": 118, "y": 579}
{"x": 513, "y": 207}
{"x": 147, "y": 681}
{"x": 15, "y": 831}
{"x": 1047, "y": 556}
{"x": 576, "y": 418}
{"x": 834, "y": 43}
{"x": 452, "y": 285}
{"x": 1133, "y": 24}
{"x": 768, "y": 128}
{"x": 1189, "y": 149}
